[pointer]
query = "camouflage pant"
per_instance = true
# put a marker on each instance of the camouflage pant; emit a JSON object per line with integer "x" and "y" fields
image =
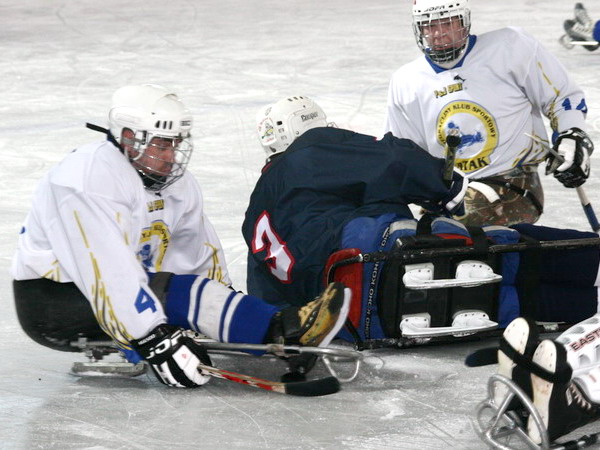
{"x": 515, "y": 197}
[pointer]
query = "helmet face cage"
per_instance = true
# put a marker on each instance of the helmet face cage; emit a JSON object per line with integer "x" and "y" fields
{"x": 160, "y": 160}
{"x": 152, "y": 126}
{"x": 449, "y": 24}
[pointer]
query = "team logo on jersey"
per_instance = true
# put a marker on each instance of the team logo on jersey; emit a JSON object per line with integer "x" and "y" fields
{"x": 153, "y": 245}
{"x": 454, "y": 87}
{"x": 478, "y": 131}
{"x": 156, "y": 205}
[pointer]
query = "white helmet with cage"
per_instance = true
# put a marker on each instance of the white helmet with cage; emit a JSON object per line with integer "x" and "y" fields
{"x": 281, "y": 123}
{"x": 152, "y": 127}
{"x": 441, "y": 28}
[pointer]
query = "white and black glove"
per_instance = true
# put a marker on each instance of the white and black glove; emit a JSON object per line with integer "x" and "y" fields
{"x": 173, "y": 356}
{"x": 572, "y": 166}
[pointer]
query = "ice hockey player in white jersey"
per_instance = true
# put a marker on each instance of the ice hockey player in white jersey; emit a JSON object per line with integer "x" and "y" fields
{"x": 117, "y": 244}
{"x": 495, "y": 89}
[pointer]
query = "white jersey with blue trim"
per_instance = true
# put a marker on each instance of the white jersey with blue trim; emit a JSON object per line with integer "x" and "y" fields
{"x": 93, "y": 223}
{"x": 498, "y": 92}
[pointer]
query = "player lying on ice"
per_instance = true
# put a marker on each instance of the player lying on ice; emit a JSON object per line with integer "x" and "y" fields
{"x": 117, "y": 244}
{"x": 328, "y": 194}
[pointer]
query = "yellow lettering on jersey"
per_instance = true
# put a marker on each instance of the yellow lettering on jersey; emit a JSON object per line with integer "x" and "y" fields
{"x": 54, "y": 273}
{"x": 456, "y": 87}
{"x": 157, "y": 237}
{"x": 478, "y": 130}
{"x": 156, "y": 205}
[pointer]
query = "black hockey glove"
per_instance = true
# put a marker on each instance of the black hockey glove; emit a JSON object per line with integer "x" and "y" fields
{"x": 572, "y": 166}
{"x": 173, "y": 356}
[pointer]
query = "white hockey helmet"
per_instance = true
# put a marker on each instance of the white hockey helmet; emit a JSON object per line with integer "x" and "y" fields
{"x": 160, "y": 124}
{"x": 281, "y": 123}
{"x": 429, "y": 14}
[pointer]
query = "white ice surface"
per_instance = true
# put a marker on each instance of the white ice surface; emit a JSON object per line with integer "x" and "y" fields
{"x": 61, "y": 61}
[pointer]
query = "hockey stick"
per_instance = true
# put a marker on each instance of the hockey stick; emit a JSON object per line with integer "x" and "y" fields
{"x": 96, "y": 350}
{"x": 583, "y": 199}
{"x": 310, "y": 388}
{"x": 453, "y": 140}
{"x": 424, "y": 254}
{"x": 327, "y": 355}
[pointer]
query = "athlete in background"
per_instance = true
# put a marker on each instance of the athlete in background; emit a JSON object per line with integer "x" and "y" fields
{"x": 581, "y": 30}
{"x": 495, "y": 88}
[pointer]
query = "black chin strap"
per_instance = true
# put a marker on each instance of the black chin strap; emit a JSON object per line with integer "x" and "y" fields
{"x": 149, "y": 182}
{"x": 107, "y": 132}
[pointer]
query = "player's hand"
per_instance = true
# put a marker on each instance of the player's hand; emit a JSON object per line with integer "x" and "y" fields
{"x": 572, "y": 166}
{"x": 173, "y": 356}
{"x": 454, "y": 201}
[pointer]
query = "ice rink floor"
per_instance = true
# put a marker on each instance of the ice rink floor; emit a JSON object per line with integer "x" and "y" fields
{"x": 61, "y": 62}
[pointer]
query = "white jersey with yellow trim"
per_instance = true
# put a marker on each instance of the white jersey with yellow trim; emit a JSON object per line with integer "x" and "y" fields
{"x": 498, "y": 92}
{"x": 93, "y": 223}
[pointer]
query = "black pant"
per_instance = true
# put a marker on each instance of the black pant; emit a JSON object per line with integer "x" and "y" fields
{"x": 55, "y": 314}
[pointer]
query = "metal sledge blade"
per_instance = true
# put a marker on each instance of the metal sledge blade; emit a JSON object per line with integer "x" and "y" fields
{"x": 567, "y": 43}
{"x": 108, "y": 369}
{"x": 332, "y": 357}
{"x": 497, "y": 426}
{"x": 465, "y": 323}
{"x": 469, "y": 273}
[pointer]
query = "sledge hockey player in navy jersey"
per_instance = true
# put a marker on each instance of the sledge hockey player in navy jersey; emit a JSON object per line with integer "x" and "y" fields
{"x": 117, "y": 245}
{"x": 327, "y": 195}
{"x": 581, "y": 30}
{"x": 494, "y": 89}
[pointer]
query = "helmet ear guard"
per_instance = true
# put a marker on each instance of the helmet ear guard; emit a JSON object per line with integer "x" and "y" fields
{"x": 281, "y": 123}
{"x": 159, "y": 121}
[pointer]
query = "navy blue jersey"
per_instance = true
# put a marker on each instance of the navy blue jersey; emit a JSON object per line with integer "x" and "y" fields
{"x": 303, "y": 199}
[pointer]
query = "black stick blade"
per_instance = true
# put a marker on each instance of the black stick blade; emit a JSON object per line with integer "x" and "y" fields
{"x": 313, "y": 388}
{"x": 482, "y": 357}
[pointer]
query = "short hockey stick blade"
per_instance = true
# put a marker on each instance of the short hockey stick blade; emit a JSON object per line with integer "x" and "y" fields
{"x": 482, "y": 357}
{"x": 310, "y": 388}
